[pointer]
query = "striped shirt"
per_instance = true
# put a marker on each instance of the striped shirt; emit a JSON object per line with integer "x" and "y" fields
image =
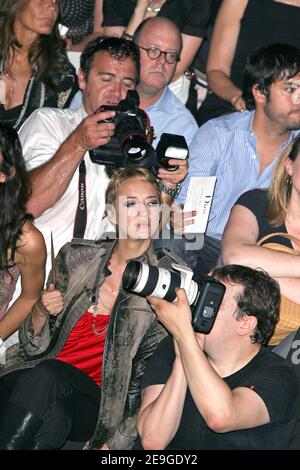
{"x": 225, "y": 147}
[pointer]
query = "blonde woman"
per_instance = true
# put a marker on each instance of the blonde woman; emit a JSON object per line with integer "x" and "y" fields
{"x": 87, "y": 341}
{"x": 262, "y": 212}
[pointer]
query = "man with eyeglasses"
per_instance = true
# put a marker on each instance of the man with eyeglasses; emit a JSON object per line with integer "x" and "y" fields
{"x": 160, "y": 44}
{"x": 56, "y": 144}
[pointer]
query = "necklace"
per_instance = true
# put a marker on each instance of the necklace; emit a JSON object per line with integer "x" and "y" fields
{"x": 100, "y": 331}
{"x": 27, "y": 97}
{"x": 13, "y": 85}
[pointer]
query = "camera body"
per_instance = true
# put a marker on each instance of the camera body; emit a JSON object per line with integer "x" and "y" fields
{"x": 131, "y": 144}
{"x": 204, "y": 294}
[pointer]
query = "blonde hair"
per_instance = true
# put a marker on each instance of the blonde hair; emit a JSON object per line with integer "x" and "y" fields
{"x": 279, "y": 192}
{"x": 125, "y": 174}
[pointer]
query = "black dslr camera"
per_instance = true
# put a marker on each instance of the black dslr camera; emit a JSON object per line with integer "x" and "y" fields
{"x": 204, "y": 294}
{"x": 131, "y": 144}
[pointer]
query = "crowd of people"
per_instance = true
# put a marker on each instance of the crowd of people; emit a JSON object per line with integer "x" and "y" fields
{"x": 108, "y": 352}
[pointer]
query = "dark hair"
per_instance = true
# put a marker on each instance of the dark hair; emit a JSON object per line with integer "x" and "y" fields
{"x": 45, "y": 55}
{"x": 14, "y": 193}
{"x": 260, "y": 297}
{"x": 265, "y": 65}
{"x": 118, "y": 48}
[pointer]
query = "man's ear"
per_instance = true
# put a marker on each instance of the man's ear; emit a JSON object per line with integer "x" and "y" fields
{"x": 247, "y": 325}
{"x": 81, "y": 79}
{"x": 258, "y": 95}
{"x": 3, "y": 177}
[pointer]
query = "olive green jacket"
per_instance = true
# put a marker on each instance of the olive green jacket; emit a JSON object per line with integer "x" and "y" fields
{"x": 132, "y": 336}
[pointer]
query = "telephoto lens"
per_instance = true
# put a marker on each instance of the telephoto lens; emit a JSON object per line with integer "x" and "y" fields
{"x": 204, "y": 295}
{"x": 150, "y": 280}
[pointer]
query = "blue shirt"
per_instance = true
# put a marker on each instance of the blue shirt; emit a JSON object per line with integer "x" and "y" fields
{"x": 168, "y": 114}
{"x": 225, "y": 147}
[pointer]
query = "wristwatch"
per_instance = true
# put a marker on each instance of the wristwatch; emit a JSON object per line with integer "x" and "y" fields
{"x": 171, "y": 192}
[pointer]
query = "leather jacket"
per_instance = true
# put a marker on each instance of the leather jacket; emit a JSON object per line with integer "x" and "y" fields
{"x": 132, "y": 335}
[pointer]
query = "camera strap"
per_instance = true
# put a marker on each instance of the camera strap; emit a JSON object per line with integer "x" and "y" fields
{"x": 81, "y": 211}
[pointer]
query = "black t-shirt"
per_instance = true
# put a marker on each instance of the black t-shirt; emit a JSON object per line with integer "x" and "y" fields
{"x": 264, "y": 22}
{"x": 256, "y": 201}
{"x": 191, "y": 16}
{"x": 270, "y": 376}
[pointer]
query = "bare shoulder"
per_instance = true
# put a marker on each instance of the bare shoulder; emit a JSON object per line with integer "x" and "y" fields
{"x": 31, "y": 244}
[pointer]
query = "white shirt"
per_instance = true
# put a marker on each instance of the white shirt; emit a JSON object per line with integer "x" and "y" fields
{"x": 167, "y": 114}
{"x": 41, "y": 135}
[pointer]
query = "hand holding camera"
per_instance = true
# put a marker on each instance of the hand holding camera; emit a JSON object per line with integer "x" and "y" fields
{"x": 96, "y": 130}
{"x": 130, "y": 146}
{"x": 204, "y": 295}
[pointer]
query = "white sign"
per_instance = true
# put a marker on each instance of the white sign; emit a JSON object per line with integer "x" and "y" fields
{"x": 199, "y": 197}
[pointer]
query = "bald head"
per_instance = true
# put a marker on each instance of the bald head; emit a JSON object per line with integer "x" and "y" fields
{"x": 158, "y": 26}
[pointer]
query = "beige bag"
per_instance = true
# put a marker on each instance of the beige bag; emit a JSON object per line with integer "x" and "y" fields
{"x": 289, "y": 320}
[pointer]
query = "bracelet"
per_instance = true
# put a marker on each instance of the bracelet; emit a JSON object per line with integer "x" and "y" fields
{"x": 127, "y": 36}
{"x": 171, "y": 192}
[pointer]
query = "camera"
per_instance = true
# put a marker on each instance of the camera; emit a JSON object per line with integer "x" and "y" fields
{"x": 204, "y": 294}
{"x": 131, "y": 145}
{"x": 171, "y": 146}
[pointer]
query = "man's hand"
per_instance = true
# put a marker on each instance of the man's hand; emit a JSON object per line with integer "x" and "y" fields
{"x": 176, "y": 317}
{"x": 93, "y": 131}
{"x": 171, "y": 178}
{"x": 52, "y": 300}
{"x": 180, "y": 219}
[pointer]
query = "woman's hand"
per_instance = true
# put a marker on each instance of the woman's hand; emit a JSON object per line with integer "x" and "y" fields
{"x": 238, "y": 103}
{"x": 52, "y": 300}
{"x": 181, "y": 219}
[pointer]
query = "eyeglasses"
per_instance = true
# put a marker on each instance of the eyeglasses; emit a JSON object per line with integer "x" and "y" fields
{"x": 154, "y": 53}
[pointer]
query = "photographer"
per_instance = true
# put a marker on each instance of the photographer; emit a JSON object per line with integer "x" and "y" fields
{"x": 223, "y": 390}
{"x": 55, "y": 142}
{"x": 86, "y": 341}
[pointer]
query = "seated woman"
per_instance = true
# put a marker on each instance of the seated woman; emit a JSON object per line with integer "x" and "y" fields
{"x": 86, "y": 342}
{"x": 83, "y": 18}
{"x": 34, "y": 68}
{"x": 258, "y": 213}
{"x": 22, "y": 246}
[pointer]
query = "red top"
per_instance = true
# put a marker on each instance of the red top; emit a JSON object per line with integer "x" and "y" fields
{"x": 83, "y": 348}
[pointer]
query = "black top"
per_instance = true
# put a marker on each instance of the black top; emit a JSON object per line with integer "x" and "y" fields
{"x": 191, "y": 16}
{"x": 256, "y": 201}
{"x": 264, "y": 22}
{"x": 78, "y": 16}
{"x": 270, "y": 376}
{"x": 36, "y": 95}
